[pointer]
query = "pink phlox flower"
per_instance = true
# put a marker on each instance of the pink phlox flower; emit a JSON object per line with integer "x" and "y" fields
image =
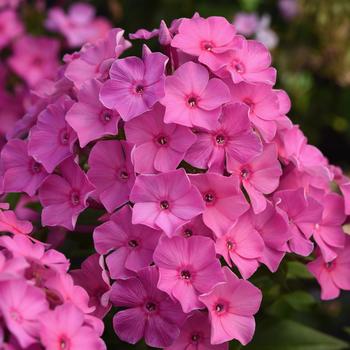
{"x": 65, "y": 196}
{"x": 11, "y": 27}
{"x": 233, "y": 138}
{"x": 263, "y": 105}
{"x": 88, "y": 117}
{"x": 93, "y": 277}
{"x": 301, "y": 211}
{"x": 129, "y": 247}
{"x": 21, "y": 306}
{"x": 9, "y": 222}
{"x": 185, "y": 271}
{"x": 149, "y": 313}
{"x": 12, "y": 268}
{"x": 51, "y": 140}
{"x": 195, "y": 227}
{"x": 259, "y": 177}
{"x": 334, "y": 275}
{"x": 192, "y": 99}
{"x": 242, "y": 245}
{"x": 22, "y": 173}
{"x": 223, "y": 199}
{"x": 65, "y": 327}
{"x": 35, "y": 58}
{"x": 195, "y": 335}
{"x": 111, "y": 172}
{"x": 246, "y": 23}
{"x": 274, "y": 230}
{"x": 248, "y": 61}
{"x": 165, "y": 201}
{"x": 159, "y": 146}
{"x": 204, "y": 38}
{"x": 231, "y": 307}
{"x": 135, "y": 84}
{"x": 94, "y": 60}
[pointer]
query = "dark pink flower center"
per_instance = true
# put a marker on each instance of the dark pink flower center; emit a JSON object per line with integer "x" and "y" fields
{"x": 150, "y": 306}
{"x": 195, "y": 338}
{"x": 16, "y": 316}
{"x": 230, "y": 245}
{"x": 245, "y": 173}
{"x": 164, "y": 205}
{"x": 75, "y": 198}
{"x": 330, "y": 265}
{"x": 139, "y": 89}
{"x": 185, "y": 274}
{"x": 133, "y": 243}
{"x": 220, "y": 139}
{"x": 64, "y": 343}
{"x": 188, "y": 233}
{"x": 35, "y": 167}
{"x": 37, "y": 61}
{"x": 106, "y": 116}
{"x": 249, "y": 103}
{"x": 219, "y": 307}
{"x": 192, "y": 101}
{"x": 209, "y": 198}
{"x": 162, "y": 140}
{"x": 207, "y": 45}
{"x": 238, "y": 66}
{"x": 63, "y": 136}
{"x": 123, "y": 175}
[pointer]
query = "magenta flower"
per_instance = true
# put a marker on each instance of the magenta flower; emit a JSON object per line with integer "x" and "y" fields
{"x": 260, "y": 176}
{"x": 195, "y": 335}
{"x": 94, "y": 60}
{"x": 231, "y": 307}
{"x": 10, "y": 223}
{"x": 192, "y": 99}
{"x": 51, "y": 140}
{"x": 185, "y": 271}
{"x": 205, "y": 38}
{"x": 249, "y": 61}
{"x": 21, "y": 172}
{"x": 12, "y": 268}
{"x": 149, "y": 313}
{"x": 232, "y": 139}
{"x": 21, "y": 306}
{"x": 64, "y": 197}
{"x": 334, "y": 275}
{"x": 33, "y": 63}
{"x": 195, "y": 227}
{"x": 301, "y": 211}
{"x": 135, "y": 85}
{"x": 11, "y": 27}
{"x": 165, "y": 201}
{"x": 89, "y": 118}
{"x": 111, "y": 172}
{"x": 263, "y": 105}
{"x": 223, "y": 199}
{"x": 97, "y": 287}
{"x": 242, "y": 245}
{"x": 159, "y": 146}
{"x": 273, "y": 227}
{"x": 129, "y": 247}
{"x": 66, "y": 328}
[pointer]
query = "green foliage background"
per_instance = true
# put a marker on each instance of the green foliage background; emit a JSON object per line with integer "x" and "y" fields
{"x": 313, "y": 62}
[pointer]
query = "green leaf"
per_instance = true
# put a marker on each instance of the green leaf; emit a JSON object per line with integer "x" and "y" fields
{"x": 297, "y": 270}
{"x": 290, "y": 335}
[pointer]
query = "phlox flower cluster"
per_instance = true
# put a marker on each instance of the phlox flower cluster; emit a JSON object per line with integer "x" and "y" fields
{"x": 42, "y": 305}
{"x": 197, "y": 173}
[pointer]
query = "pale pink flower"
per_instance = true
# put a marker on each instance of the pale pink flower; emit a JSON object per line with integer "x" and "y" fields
{"x": 21, "y": 172}
{"x": 65, "y": 328}
{"x": 135, "y": 84}
{"x": 259, "y": 177}
{"x": 88, "y": 117}
{"x": 332, "y": 276}
{"x": 242, "y": 245}
{"x": 192, "y": 99}
{"x": 263, "y": 105}
{"x": 94, "y": 60}
{"x": 233, "y": 138}
{"x": 165, "y": 201}
{"x": 10, "y": 27}
{"x": 111, "y": 172}
{"x": 185, "y": 271}
{"x": 301, "y": 211}
{"x": 204, "y": 38}
{"x": 21, "y": 305}
{"x": 159, "y": 146}
{"x": 35, "y": 58}
{"x": 51, "y": 140}
{"x": 149, "y": 312}
{"x": 246, "y": 23}
{"x": 94, "y": 279}
{"x": 64, "y": 197}
{"x": 129, "y": 247}
{"x": 231, "y": 307}
{"x": 223, "y": 199}
{"x": 195, "y": 335}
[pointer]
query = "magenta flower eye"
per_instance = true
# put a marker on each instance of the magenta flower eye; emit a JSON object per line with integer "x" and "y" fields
{"x": 133, "y": 243}
{"x": 164, "y": 205}
{"x": 185, "y": 274}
